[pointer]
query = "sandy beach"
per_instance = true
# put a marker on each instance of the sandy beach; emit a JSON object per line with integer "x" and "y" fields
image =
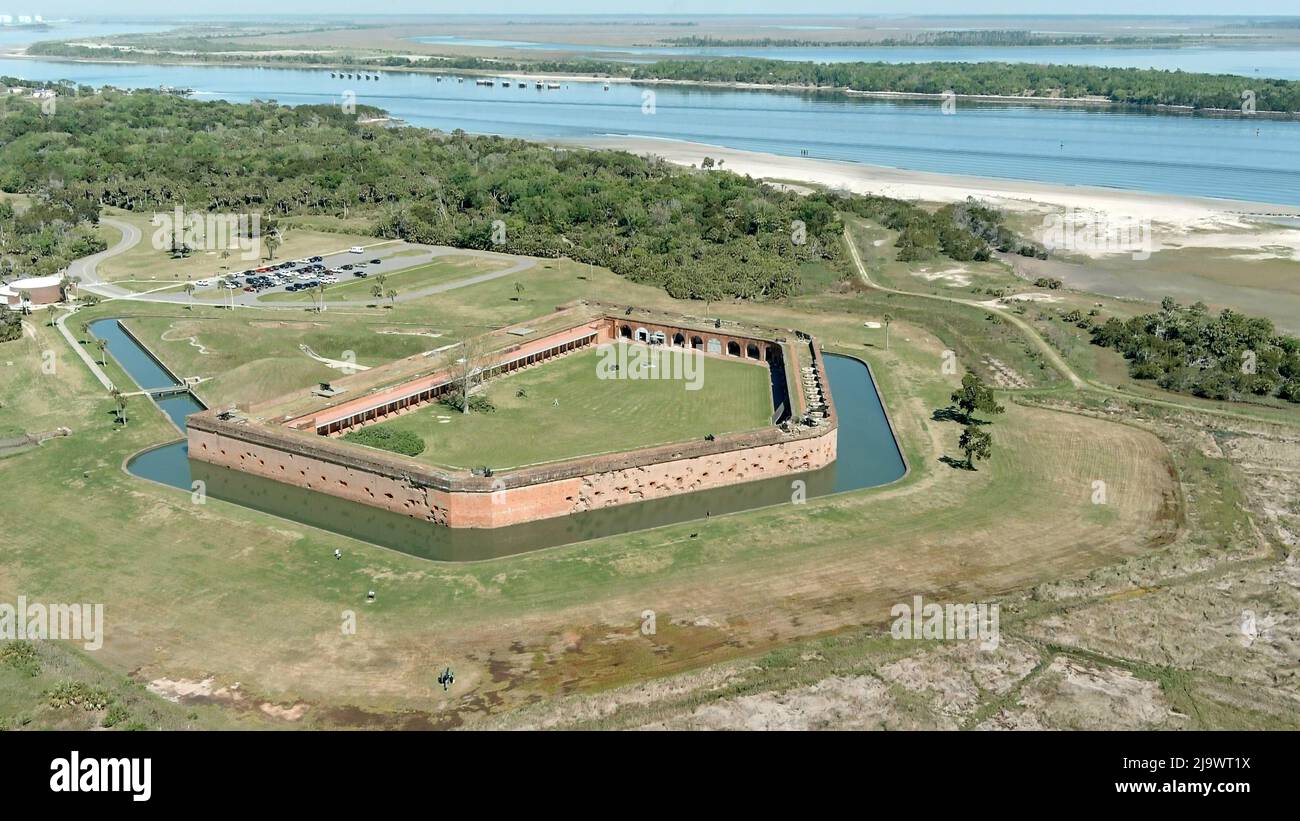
{"x": 1178, "y": 213}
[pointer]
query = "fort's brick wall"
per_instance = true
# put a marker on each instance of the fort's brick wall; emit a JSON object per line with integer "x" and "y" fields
{"x": 520, "y": 496}
{"x": 286, "y": 453}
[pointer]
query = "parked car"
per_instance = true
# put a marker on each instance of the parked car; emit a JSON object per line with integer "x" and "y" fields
{"x": 374, "y": 262}
{"x": 356, "y": 249}
{"x": 203, "y": 283}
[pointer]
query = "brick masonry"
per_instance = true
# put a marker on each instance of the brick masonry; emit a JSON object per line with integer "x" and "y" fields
{"x": 463, "y": 500}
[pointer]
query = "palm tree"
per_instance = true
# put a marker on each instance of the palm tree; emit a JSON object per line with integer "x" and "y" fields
{"x": 888, "y": 319}
{"x": 189, "y": 292}
{"x": 320, "y": 289}
{"x": 519, "y": 289}
{"x": 377, "y": 291}
{"x": 49, "y": 311}
{"x": 272, "y": 242}
{"x": 103, "y": 351}
{"x": 392, "y": 295}
{"x": 25, "y": 300}
{"x": 119, "y": 399}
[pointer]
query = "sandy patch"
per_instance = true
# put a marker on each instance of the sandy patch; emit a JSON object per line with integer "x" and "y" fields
{"x": 187, "y": 690}
{"x": 1004, "y": 376}
{"x": 1032, "y": 296}
{"x": 403, "y": 332}
{"x": 839, "y": 702}
{"x": 1072, "y": 695}
{"x": 959, "y": 277}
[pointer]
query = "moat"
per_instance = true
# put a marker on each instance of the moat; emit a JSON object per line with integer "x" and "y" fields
{"x": 868, "y": 456}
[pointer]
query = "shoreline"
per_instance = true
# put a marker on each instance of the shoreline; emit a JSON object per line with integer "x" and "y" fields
{"x": 988, "y": 99}
{"x": 1182, "y": 211}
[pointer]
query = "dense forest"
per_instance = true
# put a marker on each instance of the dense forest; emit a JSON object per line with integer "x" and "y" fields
{"x": 1218, "y": 356}
{"x": 43, "y": 238}
{"x": 1120, "y": 85}
{"x": 11, "y": 324}
{"x": 697, "y": 234}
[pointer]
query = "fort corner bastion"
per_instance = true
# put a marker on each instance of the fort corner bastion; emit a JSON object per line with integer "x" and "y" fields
{"x": 296, "y": 439}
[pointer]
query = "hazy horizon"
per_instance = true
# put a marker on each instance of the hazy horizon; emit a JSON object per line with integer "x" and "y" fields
{"x": 696, "y": 8}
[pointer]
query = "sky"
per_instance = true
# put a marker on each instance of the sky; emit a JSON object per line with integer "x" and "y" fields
{"x": 98, "y": 8}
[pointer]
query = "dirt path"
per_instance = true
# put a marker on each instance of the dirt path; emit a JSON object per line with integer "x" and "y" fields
{"x": 1055, "y": 358}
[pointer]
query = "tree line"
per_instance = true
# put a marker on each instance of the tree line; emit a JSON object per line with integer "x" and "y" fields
{"x": 57, "y": 227}
{"x": 1133, "y": 86}
{"x": 698, "y": 235}
{"x": 1188, "y": 349}
{"x": 1126, "y": 86}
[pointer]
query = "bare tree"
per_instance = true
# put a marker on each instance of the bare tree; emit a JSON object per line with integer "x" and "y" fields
{"x": 469, "y": 368}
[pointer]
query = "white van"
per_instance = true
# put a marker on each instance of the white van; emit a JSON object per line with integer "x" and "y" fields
{"x": 203, "y": 283}
{"x": 356, "y": 249}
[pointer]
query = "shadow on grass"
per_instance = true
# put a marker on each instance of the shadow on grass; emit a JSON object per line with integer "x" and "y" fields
{"x": 956, "y": 464}
{"x": 953, "y": 414}
{"x": 949, "y": 414}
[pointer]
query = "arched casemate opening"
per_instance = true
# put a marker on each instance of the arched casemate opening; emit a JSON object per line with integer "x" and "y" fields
{"x": 733, "y": 348}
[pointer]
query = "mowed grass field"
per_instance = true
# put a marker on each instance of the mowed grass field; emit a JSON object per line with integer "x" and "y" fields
{"x": 352, "y": 289}
{"x": 221, "y": 594}
{"x": 566, "y": 410}
{"x": 249, "y": 357}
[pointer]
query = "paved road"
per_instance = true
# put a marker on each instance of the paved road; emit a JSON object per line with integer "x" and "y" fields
{"x": 396, "y": 255}
{"x": 87, "y": 268}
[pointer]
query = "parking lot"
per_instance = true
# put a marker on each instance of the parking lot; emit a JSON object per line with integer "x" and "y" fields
{"x": 292, "y": 276}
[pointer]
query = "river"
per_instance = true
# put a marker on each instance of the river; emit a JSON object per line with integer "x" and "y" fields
{"x": 1256, "y": 160}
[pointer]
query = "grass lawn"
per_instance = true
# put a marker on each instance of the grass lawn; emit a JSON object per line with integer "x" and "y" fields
{"x": 144, "y": 263}
{"x": 244, "y": 357}
{"x": 593, "y": 416}
{"x": 940, "y": 275}
{"x": 262, "y": 596}
{"x": 443, "y": 269}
